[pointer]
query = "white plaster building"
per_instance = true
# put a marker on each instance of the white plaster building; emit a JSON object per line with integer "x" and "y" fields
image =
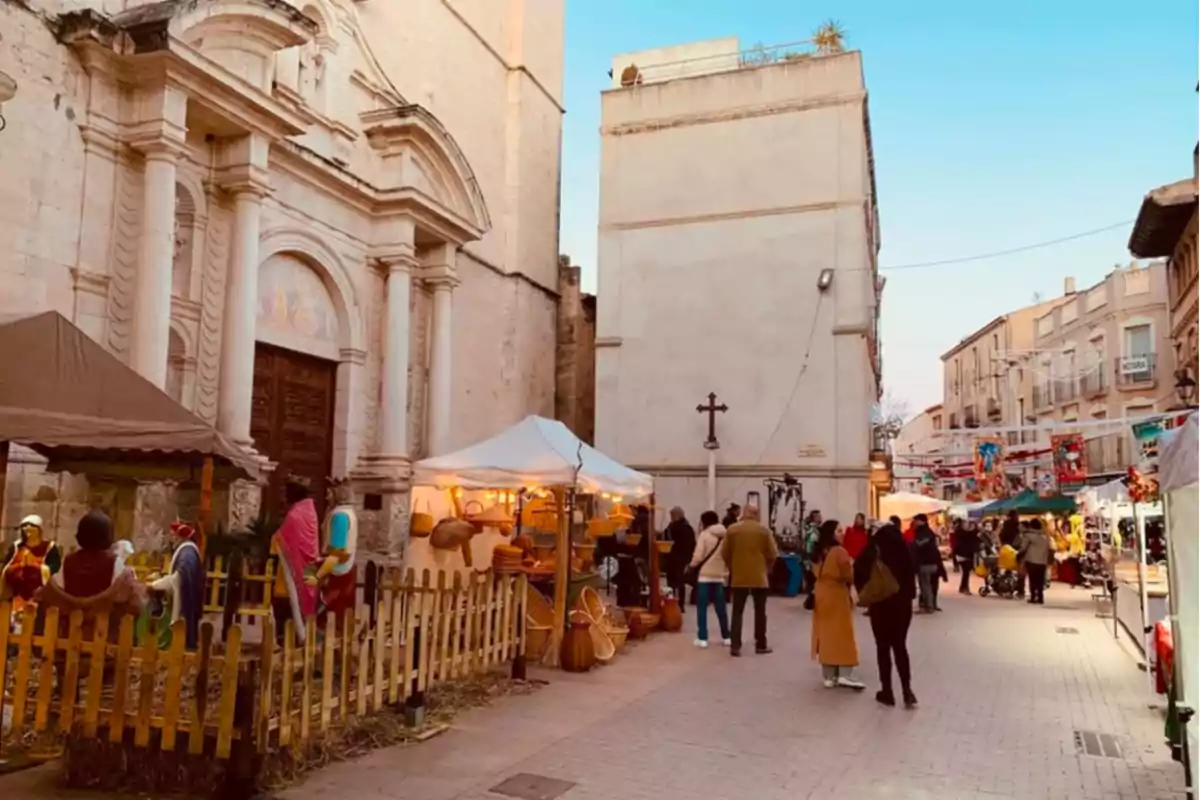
{"x": 329, "y": 227}
{"x": 728, "y": 186}
{"x": 917, "y": 450}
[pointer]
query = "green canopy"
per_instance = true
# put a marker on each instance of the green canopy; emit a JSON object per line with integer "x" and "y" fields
{"x": 1029, "y": 502}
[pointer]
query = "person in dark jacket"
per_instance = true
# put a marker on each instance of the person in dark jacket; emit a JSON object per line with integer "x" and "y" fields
{"x": 1010, "y": 531}
{"x": 891, "y": 617}
{"x": 732, "y": 515}
{"x": 965, "y": 547}
{"x": 683, "y": 543}
{"x": 928, "y": 560}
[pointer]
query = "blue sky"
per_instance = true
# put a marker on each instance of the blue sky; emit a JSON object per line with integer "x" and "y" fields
{"x": 995, "y": 125}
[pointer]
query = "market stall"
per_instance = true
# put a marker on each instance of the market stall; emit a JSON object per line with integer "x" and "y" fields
{"x": 1178, "y": 474}
{"x": 907, "y": 505}
{"x": 70, "y": 400}
{"x": 541, "y": 456}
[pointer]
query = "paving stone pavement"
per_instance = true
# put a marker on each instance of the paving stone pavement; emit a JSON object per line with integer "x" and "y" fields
{"x": 1002, "y": 693}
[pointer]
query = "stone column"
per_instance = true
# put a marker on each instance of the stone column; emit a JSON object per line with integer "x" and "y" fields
{"x": 441, "y": 356}
{"x": 241, "y": 308}
{"x": 152, "y": 288}
{"x": 242, "y": 172}
{"x": 393, "y": 410}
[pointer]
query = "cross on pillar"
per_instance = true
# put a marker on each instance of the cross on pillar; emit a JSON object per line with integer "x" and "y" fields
{"x": 711, "y": 409}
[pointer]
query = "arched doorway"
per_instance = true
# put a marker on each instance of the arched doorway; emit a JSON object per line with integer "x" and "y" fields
{"x": 295, "y": 377}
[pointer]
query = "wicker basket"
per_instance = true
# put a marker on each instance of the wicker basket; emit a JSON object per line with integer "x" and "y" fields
{"x": 602, "y": 645}
{"x": 663, "y": 547}
{"x": 537, "y": 638}
{"x": 538, "y": 608}
{"x": 599, "y": 527}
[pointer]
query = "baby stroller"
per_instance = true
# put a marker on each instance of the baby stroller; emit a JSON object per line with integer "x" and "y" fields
{"x": 1000, "y": 572}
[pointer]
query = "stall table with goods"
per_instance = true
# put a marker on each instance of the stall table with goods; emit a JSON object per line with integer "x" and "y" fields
{"x": 541, "y": 480}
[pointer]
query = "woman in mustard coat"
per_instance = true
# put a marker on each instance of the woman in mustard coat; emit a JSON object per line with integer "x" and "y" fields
{"x": 833, "y": 641}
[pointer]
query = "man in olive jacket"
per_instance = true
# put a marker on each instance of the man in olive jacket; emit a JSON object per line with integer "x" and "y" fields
{"x": 749, "y": 550}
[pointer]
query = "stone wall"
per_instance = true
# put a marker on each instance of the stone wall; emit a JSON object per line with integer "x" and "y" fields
{"x": 575, "y": 354}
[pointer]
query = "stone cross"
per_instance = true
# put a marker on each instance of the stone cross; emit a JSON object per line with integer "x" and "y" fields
{"x": 711, "y": 409}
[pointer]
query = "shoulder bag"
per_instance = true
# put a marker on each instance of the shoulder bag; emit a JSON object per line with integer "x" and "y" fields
{"x": 692, "y": 574}
{"x": 881, "y": 584}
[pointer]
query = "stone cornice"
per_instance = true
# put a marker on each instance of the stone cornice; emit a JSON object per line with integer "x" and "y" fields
{"x": 653, "y": 124}
{"x": 90, "y": 282}
{"x": 353, "y": 355}
{"x": 755, "y": 470}
{"x": 441, "y": 277}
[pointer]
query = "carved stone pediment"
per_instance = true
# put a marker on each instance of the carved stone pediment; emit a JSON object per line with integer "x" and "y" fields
{"x": 422, "y": 158}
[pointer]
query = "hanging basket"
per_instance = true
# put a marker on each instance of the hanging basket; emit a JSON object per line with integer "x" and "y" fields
{"x": 421, "y": 523}
{"x": 494, "y": 517}
{"x": 600, "y": 527}
{"x": 540, "y": 513}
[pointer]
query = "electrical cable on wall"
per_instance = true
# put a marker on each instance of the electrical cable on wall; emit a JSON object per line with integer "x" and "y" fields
{"x": 787, "y": 406}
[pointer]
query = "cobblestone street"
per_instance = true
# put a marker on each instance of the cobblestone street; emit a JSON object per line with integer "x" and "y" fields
{"x": 1002, "y": 693}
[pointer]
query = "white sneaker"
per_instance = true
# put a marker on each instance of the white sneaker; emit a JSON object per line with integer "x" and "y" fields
{"x": 829, "y": 684}
{"x": 727, "y": 642}
{"x": 850, "y": 683}
{"x": 701, "y": 643}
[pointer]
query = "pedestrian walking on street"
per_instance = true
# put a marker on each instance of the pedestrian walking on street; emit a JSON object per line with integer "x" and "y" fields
{"x": 928, "y": 559}
{"x": 710, "y": 571}
{"x": 1010, "y": 531}
{"x": 682, "y": 537}
{"x": 1035, "y": 547}
{"x": 833, "y": 641}
{"x": 891, "y": 616}
{"x": 749, "y": 550}
{"x": 966, "y": 546}
{"x": 855, "y": 540}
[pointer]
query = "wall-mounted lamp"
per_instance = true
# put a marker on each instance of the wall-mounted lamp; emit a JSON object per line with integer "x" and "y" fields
{"x": 825, "y": 280}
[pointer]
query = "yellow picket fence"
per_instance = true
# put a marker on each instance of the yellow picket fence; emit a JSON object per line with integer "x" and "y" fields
{"x": 81, "y": 677}
{"x": 217, "y": 580}
{"x": 423, "y": 634}
{"x": 85, "y": 676}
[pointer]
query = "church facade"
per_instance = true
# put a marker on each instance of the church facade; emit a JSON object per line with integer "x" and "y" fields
{"x": 329, "y": 228}
{"x": 738, "y": 253}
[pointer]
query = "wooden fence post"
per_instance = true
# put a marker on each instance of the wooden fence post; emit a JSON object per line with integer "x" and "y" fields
{"x": 233, "y": 593}
{"x": 414, "y": 707}
{"x": 241, "y": 773}
{"x": 518, "y": 664}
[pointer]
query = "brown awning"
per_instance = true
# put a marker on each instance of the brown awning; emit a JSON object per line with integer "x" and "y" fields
{"x": 66, "y": 397}
{"x": 1162, "y": 219}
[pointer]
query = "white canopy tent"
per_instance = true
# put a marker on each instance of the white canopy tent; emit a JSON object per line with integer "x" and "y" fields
{"x": 539, "y": 452}
{"x": 1178, "y": 483}
{"x": 534, "y": 452}
{"x": 907, "y": 505}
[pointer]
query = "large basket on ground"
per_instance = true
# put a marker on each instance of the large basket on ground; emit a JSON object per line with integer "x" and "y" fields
{"x": 609, "y": 620}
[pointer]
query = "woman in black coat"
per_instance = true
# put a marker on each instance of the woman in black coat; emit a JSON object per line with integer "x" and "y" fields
{"x": 890, "y": 618}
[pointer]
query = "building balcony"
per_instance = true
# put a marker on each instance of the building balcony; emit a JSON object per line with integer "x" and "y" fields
{"x": 994, "y": 412}
{"x": 1136, "y": 371}
{"x": 970, "y": 418}
{"x": 1065, "y": 390}
{"x": 1042, "y": 396}
{"x": 1094, "y": 382}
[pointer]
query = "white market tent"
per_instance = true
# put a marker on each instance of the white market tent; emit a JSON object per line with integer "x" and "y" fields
{"x": 1178, "y": 483}
{"x": 539, "y": 452}
{"x": 907, "y": 505}
{"x": 534, "y": 452}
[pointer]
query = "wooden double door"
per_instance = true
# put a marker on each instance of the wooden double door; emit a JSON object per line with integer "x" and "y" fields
{"x": 292, "y": 422}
